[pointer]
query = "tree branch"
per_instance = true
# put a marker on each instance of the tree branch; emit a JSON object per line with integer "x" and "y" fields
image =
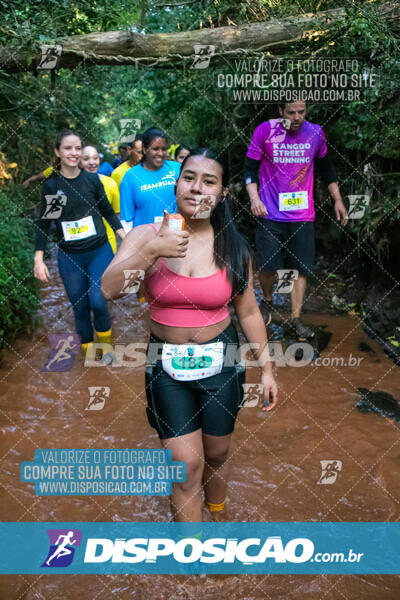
{"x": 127, "y": 47}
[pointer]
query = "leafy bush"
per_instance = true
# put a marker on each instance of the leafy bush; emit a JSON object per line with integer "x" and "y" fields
{"x": 18, "y": 288}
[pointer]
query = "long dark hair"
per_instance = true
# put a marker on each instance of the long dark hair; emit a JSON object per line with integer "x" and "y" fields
{"x": 231, "y": 250}
{"x": 58, "y": 141}
{"x": 148, "y": 136}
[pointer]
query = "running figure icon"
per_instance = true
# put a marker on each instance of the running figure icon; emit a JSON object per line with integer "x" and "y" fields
{"x": 63, "y": 347}
{"x": 62, "y": 549}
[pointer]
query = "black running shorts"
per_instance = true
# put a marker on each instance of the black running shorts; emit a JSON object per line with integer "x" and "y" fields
{"x": 175, "y": 408}
{"x": 285, "y": 245}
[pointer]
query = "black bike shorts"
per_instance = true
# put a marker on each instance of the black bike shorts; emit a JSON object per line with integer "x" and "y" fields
{"x": 175, "y": 408}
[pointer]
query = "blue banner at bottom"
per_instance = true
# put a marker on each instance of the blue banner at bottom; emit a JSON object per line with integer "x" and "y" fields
{"x": 194, "y": 548}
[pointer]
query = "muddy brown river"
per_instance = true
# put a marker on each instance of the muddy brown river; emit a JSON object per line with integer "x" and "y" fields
{"x": 274, "y": 465}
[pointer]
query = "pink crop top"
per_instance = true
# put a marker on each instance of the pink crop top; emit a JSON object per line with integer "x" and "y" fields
{"x": 181, "y": 301}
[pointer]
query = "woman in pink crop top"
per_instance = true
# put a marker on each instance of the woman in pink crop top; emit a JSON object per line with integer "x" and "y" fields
{"x": 192, "y": 384}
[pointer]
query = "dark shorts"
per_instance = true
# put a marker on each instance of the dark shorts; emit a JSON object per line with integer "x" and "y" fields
{"x": 175, "y": 408}
{"x": 285, "y": 245}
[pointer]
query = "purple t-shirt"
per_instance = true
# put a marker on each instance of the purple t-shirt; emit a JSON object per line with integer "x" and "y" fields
{"x": 287, "y": 168}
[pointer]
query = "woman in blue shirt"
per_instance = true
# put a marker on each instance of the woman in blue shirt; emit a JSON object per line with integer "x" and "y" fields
{"x": 148, "y": 189}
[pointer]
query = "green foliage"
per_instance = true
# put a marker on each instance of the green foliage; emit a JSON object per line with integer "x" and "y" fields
{"x": 363, "y": 136}
{"x": 29, "y": 23}
{"x": 18, "y": 288}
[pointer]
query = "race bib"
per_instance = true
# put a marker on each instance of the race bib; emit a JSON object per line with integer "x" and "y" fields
{"x": 78, "y": 230}
{"x": 293, "y": 201}
{"x": 187, "y": 362}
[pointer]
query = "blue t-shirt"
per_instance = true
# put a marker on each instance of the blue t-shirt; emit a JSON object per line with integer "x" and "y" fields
{"x": 105, "y": 169}
{"x": 146, "y": 194}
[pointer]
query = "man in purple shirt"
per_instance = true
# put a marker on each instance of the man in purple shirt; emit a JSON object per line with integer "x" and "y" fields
{"x": 281, "y": 155}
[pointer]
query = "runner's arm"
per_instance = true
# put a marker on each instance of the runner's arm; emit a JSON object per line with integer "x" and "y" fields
{"x": 339, "y": 207}
{"x": 250, "y": 174}
{"x": 327, "y": 169}
{"x": 135, "y": 253}
{"x": 127, "y": 202}
{"x": 32, "y": 178}
{"x": 250, "y": 170}
{"x": 328, "y": 172}
{"x": 139, "y": 251}
{"x": 40, "y": 269}
{"x": 253, "y": 326}
{"x": 42, "y": 175}
{"x": 43, "y": 224}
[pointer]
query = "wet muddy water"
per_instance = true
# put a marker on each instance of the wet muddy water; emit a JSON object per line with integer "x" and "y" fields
{"x": 274, "y": 463}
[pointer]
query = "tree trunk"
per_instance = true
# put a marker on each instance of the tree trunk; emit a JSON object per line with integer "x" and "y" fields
{"x": 126, "y": 47}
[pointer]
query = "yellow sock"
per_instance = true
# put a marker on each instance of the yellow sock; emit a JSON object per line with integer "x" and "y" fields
{"x": 84, "y": 348}
{"x": 104, "y": 337}
{"x": 215, "y": 507}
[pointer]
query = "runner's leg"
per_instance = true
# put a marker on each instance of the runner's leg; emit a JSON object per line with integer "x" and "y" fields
{"x": 186, "y": 500}
{"x": 297, "y": 295}
{"x": 73, "y": 273}
{"x": 215, "y": 477}
{"x": 269, "y": 237}
{"x": 97, "y": 265}
{"x": 301, "y": 256}
{"x": 267, "y": 281}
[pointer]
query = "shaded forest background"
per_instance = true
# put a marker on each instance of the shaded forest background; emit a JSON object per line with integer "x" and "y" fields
{"x": 363, "y": 136}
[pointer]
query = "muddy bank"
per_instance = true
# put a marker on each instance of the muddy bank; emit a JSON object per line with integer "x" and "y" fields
{"x": 377, "y": 304}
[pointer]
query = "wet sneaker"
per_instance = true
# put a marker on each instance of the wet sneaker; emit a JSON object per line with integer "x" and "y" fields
{"x": 300, "y": 330}
{"x": 108, "y": 358}
{"x": 266, "y": 308}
